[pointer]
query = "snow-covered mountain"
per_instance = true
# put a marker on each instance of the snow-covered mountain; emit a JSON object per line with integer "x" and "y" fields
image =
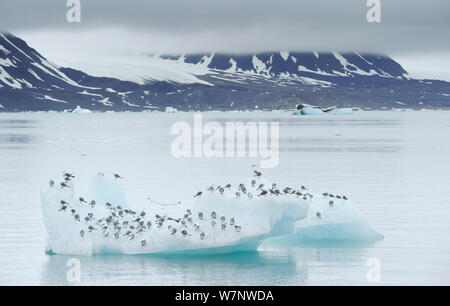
{"x": 28, "y": 81}
{"x": 301, "y": 64}
{"x": 22, "y": 67}
{"x": 189, "y": 69}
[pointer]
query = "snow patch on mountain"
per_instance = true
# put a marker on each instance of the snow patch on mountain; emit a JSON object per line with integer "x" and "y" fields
{"x": 8, "y": 79}
{"x": 6, "y": 63}
{"x": 350, "y": 68}
{"x": 258, "y": 65}
{"x": 318, "y": 71}
{"x": 311, "y": 81}
{"x": 105, "y": 102}
{"x": 46, "y": 97}
{"x": 4, "y": 50}
{"x": 27, "y": 84}
{"x": 284, "y": 55}
{"x": 13, "y": 45}
{"x": 35, "y": 74}
{"x": 53, "y": 71}
{"x": 85, "y": 92}
{"x": 233, "y": 67}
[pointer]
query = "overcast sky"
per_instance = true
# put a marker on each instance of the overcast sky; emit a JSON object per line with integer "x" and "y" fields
{"x": 414, "y": 32}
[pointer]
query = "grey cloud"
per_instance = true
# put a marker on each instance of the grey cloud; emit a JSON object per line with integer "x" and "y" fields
{"x": 244, "y": 25}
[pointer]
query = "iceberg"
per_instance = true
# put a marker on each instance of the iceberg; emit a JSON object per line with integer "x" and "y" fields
{"x": 309, "y": 110}
{"x": 219, "y": 220}
{"x": 79, "y": 110}
{"x": 339, "y": 220}
{"x": 315, "y": 110}
{"x": 170, "y": 109}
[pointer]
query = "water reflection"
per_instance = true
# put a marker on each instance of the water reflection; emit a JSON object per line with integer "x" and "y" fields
{"x": 338, "y": 144}
{"x": 281, "y": 265}
{"x": 13, "y": 141}
{"x": 244, "y": 268}
{"x": 366, "y": 149}
{"x": 16, "y": 138}
{"x": 18, "y": 123}
{"x": 289, "y": 140}
{"x": 322, "y": 121}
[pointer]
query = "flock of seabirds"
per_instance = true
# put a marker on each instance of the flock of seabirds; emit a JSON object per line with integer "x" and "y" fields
{"x": 122, "y": 222}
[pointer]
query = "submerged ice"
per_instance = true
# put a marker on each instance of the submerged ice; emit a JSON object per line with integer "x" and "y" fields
{"x": 219, "y": 219}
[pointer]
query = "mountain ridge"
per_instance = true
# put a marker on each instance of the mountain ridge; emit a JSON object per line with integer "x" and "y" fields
{"x": 267, "y": 80}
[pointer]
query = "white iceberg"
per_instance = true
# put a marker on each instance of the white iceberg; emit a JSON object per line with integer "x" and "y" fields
{"x": 240, "y": 223}
{"x": 170, "y": 109}
{"x": 315, "y": 110}
{"x": 79, "y": 110}
{"x": 339, "y": 220}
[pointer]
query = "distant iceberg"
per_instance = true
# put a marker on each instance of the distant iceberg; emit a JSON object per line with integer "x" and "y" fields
{"x": 217, "y": 221}
{"x": 170, "y": 109}
{"x": 315, "y": 110}
{"x": 79, "y": 110}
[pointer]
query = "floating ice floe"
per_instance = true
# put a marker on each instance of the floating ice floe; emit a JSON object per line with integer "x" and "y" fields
{"x": 220, "y": 219}
{"x": 79, "y": 110}
{"x": 170, "y": 109}
{"x": 315, "y": 110}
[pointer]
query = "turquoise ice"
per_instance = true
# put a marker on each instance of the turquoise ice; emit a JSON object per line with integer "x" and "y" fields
{"x": 291, "y": 216}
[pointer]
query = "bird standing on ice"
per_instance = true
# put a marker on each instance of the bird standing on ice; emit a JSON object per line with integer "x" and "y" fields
{"x": 263, "y": 192}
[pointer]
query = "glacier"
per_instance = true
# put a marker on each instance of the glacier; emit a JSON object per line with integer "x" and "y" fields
{"x": 220, "y": 219}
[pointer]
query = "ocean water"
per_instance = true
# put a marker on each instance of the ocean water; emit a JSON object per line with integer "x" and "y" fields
{"x": 393, "y": 165}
